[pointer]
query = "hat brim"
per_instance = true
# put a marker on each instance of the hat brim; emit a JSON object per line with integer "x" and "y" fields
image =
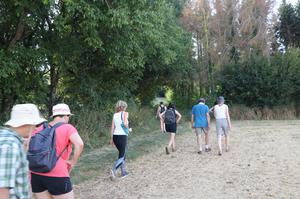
{"x": 25, "y": 121}
{"x": 61, "y": 113}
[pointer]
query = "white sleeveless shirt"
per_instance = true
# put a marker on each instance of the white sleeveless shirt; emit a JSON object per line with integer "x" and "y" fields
{"x": 117, "y": 121}
{"x": 220, "y": 111}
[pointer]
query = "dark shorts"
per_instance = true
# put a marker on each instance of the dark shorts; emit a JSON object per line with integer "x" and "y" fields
{"x": 54, "y": 185}
{"x": 171, "y": 128}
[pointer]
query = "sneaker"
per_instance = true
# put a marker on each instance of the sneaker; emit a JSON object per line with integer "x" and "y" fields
{"x": 112, "y": 175}
{"x": 124, "y": 175}
{"x": 207, "y": 149}
{"x": 199, "y": 152}
{"x": 167, "y": 150}
{"x": 219, "y": 153}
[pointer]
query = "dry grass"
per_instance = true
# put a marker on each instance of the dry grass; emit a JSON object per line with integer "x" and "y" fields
{"x": 240, "y": 112}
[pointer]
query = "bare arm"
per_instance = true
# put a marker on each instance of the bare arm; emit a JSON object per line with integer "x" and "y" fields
{"x": 161, "y": 116}
{"x": 126, "y": 123}
{"x": 78, "y": 148}
{"x": 158, "y": 111}
{"x": 179, "y": 116}
{"x": 228, "y": 118}
{"x": 208, "y": 119}
{"x": 4, "y": 193}
{"x": 112, "y": 132}
{"x": 192, "y": 121}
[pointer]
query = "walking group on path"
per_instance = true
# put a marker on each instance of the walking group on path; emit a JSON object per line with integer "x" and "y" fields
{"x": 31, "y": 148}
{"x": 200, "y": 123}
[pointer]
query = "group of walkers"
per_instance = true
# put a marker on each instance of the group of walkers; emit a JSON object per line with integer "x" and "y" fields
{"x": 48, "y": 147}
{"x": 200, "y": 123}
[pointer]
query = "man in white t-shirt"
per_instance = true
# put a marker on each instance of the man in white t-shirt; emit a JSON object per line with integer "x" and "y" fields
{"x": 223, "y": 123}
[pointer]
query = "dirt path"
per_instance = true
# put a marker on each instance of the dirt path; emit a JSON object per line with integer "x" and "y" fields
{"x": 264, "y": 162}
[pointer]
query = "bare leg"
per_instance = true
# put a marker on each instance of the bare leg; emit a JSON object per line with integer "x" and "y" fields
{"x": 173, "y": 147}
{"x": 199, "y": 141}
{"x": 162, "y": 125}
{"x": 43, "y": 195}
{"x": 226, "y": 142}
{"x": 220, "y": 144}
{"x": 206, "y": 139}
{"x": 69, "y": 195}
{"x": 171, "y": 140}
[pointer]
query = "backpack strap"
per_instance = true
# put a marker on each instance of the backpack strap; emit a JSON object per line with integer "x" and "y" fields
{"x": 55, "y": 126}
{"x": 66, "y": 148}
{"x": 122, "y": 116}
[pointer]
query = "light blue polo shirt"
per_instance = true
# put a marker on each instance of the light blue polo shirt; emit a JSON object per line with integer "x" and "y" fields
{"x": 199, "y": 111}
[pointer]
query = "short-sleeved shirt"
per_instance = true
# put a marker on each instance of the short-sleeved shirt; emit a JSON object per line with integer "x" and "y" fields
{"x": 63, "y": 134}
{"x": 199, "y": 111}
{"x": 13, "y": 165}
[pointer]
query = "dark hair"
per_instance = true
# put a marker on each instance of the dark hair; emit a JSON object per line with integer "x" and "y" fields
{"x": 171, "y": 105}
{"x": 161, "y": 103}
{"x": 59, "y": 116}
{"x": 201, "y": 100}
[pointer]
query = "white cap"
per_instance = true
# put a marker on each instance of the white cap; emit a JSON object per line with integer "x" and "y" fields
{"x": 23, "y": 114}
{"x": 61, "y": 109}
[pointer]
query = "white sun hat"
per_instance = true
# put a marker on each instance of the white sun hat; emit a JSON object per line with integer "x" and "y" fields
{"x": 23, "y": 114}
{"x": 61, "y": 109}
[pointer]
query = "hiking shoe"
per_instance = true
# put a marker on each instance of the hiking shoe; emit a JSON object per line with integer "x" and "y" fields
{"x": 112, "y": 175}
{"x": 207, "y": 149}
{"x": 199, "y": 152}
{"x": 124, "y": 175}
{"x": 167, "y": 150}
{"x": 220, "y": 153}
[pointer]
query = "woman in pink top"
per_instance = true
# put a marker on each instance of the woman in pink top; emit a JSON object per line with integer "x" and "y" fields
{"x": 56, "y": 183}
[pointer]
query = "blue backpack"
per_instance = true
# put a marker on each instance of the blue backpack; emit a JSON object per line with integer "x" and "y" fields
{"x": 42, "y": 149}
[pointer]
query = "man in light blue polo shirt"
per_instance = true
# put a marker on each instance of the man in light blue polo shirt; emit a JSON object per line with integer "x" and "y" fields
{"x": 200, "y": 121}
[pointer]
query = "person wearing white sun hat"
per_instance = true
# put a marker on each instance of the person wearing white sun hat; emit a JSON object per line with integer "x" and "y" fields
{"x": 14, "y": 182}
{"x": 57, "y": 182}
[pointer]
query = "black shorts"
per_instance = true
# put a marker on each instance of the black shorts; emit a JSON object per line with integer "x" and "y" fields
{"x": 54, "y": 185}
{"x": 171, "y": 128}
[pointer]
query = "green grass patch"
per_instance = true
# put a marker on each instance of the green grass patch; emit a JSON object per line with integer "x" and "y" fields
{"x": 142, "y": 141}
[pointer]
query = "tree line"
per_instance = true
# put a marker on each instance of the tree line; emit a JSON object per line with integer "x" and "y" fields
{"x": 89, "y": 54}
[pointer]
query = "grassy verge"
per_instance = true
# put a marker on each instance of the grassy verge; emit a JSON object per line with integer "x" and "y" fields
{"x": 143, "y": 140}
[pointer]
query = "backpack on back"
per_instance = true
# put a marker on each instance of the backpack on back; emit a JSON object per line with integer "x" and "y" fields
{"x": 170, "y": 116}
{"x": 42, "y": 149}
{"x": 162, "y": 109}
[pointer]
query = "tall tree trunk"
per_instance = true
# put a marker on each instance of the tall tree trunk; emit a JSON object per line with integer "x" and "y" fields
{"x": 54, "y": 77}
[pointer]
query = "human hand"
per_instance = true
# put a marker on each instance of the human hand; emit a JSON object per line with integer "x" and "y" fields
{"x": 70, "y": 165}
{"x": 112, "y": 142}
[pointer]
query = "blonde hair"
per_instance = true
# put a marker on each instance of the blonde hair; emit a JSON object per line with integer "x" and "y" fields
{"x": 121, "y": 106}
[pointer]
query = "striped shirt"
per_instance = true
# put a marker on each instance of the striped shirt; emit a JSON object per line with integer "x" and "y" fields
{"x": 13, "y": 165}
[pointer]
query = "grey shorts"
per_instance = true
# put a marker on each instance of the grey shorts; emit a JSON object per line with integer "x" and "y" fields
{"x": 201, "y": 130}
{"x": 222, "y": 126}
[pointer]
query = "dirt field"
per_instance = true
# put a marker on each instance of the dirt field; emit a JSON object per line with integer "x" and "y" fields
{"x": 264, "y": 162}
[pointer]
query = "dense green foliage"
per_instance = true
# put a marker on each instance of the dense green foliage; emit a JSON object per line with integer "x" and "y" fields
{"x": 260, "y": 82}
{"x": 89, "y": 53}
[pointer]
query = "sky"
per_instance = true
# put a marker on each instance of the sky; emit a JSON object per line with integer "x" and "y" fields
{"x": 278, "y": 2}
